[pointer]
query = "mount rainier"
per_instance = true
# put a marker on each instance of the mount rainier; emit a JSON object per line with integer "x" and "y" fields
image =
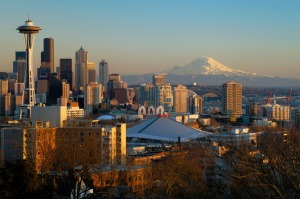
{"x": 207, "y": 71}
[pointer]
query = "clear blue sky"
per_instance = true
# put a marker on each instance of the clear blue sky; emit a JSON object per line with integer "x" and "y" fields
{"x": 138, "y": 37}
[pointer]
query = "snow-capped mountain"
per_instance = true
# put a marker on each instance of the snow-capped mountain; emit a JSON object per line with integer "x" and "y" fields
{"x": 207, "y": 71}
{"x": 207, "y": 66}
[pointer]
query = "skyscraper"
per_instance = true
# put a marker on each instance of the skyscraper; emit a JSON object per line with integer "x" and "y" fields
{"x": 91, "y": 72}
{"x": 180, "y": 99}
{"x": 92, "y": 97}
{"x": 3, "y": 86}
{"x": 195, "y": 104}
{"x": 19, "y": 65}
{"x": 158, "y": 79}
{"x": 113, "y": 83}
{"x": 103, "y": 73}
{"x": 55, "y": 89}
{"x": 232, "y": 99}
{"x": 47, "y": 56}
{"x": 164, "y": 97}
{"x": 66, "y": 71}
{"x": 80, "y": 69}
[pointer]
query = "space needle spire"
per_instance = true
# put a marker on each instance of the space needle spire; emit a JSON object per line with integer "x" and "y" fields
{"x": 28, "y": 98}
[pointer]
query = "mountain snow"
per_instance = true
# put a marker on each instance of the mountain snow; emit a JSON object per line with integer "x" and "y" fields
{"x": 208, "y": 66}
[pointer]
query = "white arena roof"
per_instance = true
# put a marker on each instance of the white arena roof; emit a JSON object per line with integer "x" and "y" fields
{"x": 165, "y": 129}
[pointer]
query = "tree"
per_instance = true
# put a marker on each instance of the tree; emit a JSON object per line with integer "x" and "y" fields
{"x": 181, "y": 175}
{"x": 268, "y": 170}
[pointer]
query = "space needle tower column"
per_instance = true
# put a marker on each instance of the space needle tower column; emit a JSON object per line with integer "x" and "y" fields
{"x": 28, "y": 99}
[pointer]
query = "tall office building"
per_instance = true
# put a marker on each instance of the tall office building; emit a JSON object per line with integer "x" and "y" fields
{"x": 148, "y": 95}
{"x": 47, "y": 56}
{"x": 232, "y": 99}
{"x": 164, "y": 97}
{"x": 115, "y": 77}
{"x": 92, "y": 97}
{"x": 55, "y": 89}
{"x": 66, "y": 71}
{"x": 19, "y": 66}
{"x": 180, "y": 99}
{"x": 65, "y": 90}
{"x": 103, "y": 73}
{"x": 19, "y": 88}
{"x": 195, "y": 104}
{"x": 63, "y": 100}
{"x": 113, "y": 83}
{"x": 158, "y": 79}
{"x": 81, "y": 60}
{"x": 91, "y": 72}
{"x": 3, "y": 86}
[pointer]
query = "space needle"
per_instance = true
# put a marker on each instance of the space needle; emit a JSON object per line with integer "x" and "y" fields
{"x": 28, "y": 96}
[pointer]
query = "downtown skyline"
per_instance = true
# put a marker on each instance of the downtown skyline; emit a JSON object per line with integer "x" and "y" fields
{"x": 152, "y": 36}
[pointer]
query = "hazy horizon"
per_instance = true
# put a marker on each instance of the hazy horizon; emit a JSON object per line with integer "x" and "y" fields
{"x": 139, "y": 37}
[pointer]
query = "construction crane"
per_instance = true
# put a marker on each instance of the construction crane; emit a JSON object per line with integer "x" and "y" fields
{"x": 268, "y": 99}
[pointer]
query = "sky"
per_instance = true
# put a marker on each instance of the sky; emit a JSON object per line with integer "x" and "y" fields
{"x": 139, "y": 37}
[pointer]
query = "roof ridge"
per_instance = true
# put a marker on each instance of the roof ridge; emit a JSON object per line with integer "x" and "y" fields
{"x": 155, "y": 119}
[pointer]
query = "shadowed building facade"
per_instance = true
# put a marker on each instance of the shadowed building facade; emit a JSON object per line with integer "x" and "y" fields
{"x": 66, "y": 71}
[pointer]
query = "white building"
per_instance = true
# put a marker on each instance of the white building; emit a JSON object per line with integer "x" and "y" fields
{"x": 264, "y": 122}
{"x": 53, "y": 114}
{"x": 93, "y": 96}
{"x": 75, "y": 112}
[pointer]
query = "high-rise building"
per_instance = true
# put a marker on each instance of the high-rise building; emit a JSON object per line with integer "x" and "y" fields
{"x": 115, "y": 77}
{"x": 232, "y": 99}
{"x": 65, "y": 90}
{"x": 58, "y": 72}
{"x": 92, "y": 97}
{"x": 63, "y": 100}
{"x": 47, "y": 56}
{"x": 295, "y": 117}
{"x": 20, "y": 55}
{"x": 195, "y": 104}
{"x": 103, "y": 73}
{"x": 121, "y": 95}
{"x": 158, "y": 79}
{"x": 55, "y": 89}
{"x": 113, "y": 83}
{"x": 164, "y": 97}
{"x": 3, "y": 86}
{"x": 180, "y": 99}
{"x": 252, "y": 109}
{"x": 148, "y": 95}
{"x": 19, "y": 66}
{"x": 91, "y": 72}
{"x": 81, "y": 60}
{"x": 19, "y": 88}
{"x": 66, "y": 71}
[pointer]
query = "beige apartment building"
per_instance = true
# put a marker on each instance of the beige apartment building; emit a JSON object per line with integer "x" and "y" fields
{"x": 232, "y": 99}
{"x": 77, "y": 143}
{"x": 180, "y": 99}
